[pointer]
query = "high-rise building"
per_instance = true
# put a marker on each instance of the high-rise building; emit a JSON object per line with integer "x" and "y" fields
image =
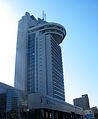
{"x": 39, "y": 83}
{"x": 38, "y": 65}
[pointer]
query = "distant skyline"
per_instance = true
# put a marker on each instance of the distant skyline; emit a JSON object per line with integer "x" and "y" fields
{"x": 79, "y": 48}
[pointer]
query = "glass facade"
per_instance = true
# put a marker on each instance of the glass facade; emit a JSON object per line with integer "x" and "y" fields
{"x": 31, "y": 63}
{"x": 11, "y": 99}
{"x": 2, "y": 103}
{"x": 15, "y": 100}
{"x": 10, "y": 104}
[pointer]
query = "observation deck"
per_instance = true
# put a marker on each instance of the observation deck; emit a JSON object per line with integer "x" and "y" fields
{"x": 57, "y": 31}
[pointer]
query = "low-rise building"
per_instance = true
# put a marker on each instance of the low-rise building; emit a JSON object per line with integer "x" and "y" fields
{"x": 11, "y": 100}
{"x": 82, "y": 102}
{"x": 50, "y": 108}
{"x": 15, "y": 103}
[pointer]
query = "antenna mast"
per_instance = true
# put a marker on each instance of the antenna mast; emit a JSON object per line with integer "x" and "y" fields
{"x": 43, "y": 16}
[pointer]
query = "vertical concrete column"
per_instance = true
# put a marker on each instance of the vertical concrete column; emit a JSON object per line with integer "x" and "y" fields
{"x": 56, "y": 115}
{"x": 63, "y": 115}
{"x": 52, "y": 114}
{"x": 42, "y": 114}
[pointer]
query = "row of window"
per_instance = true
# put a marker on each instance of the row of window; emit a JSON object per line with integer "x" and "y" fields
{"x": 56, "y": 55}
{"x": 47, "y": 26}
{"x": 59, "y": 97}
{"x": 61, "y": 94}
{"x": 57, "y": 75}
{"x": 55, "y": 84}
{"x": 55, "y": 87}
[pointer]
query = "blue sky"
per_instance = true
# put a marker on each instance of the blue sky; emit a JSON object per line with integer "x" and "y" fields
{"x": 79, "y": 48}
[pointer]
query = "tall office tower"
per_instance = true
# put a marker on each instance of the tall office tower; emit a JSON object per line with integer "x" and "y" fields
{"x": 38, "y": 57}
